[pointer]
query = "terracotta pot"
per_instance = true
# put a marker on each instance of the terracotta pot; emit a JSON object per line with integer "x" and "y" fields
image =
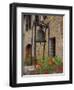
{"x": 46, "y": 72}
{"x": 59, "y": 69}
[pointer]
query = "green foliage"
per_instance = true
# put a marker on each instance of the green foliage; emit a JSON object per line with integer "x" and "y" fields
{"x": 46, "y": 67}
{"x": 58, "y": 60}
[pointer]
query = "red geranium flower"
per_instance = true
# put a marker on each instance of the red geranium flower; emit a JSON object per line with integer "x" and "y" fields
{"x": 38, "y": 66}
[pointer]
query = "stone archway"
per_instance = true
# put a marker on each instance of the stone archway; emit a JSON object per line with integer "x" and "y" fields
{"x": 28, "y": 55}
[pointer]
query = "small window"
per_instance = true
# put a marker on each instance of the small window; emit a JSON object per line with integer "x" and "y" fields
{"x": 37, "y": 18}
{"x": 29, "y": 18}
{"x": 51, "y": 46}
{"x": 28, "y": 22}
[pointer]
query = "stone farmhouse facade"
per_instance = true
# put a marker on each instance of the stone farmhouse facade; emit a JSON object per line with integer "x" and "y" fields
{"x": 53, "y": 35}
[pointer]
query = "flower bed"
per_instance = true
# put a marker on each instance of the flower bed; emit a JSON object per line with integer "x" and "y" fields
{"x": 49, "y": 65}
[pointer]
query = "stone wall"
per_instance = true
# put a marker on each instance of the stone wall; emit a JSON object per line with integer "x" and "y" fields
{"x": 55, "y": 29}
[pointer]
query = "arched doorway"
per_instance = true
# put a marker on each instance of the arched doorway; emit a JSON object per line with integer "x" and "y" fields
{"x": 28, "y": 55}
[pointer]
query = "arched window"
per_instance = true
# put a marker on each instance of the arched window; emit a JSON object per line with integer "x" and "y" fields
{"x": 40, "y": 37}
